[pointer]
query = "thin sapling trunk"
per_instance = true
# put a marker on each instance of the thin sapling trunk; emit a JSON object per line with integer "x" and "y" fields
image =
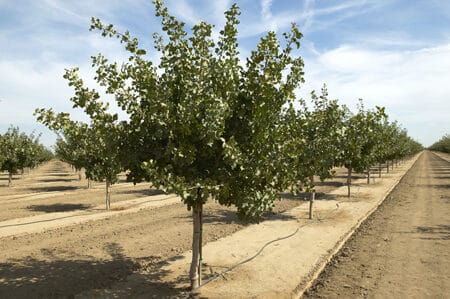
{"x": 195, "y": 271}
{"x": 311, "y": 198}
{"x": 349, "y": 180}
{"x": 10, "y": 178}
{"x": 379, "y": 170}
{"x": 108, "y": 195}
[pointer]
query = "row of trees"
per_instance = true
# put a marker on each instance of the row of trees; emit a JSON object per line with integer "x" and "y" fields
{"x": 19, "y": 151}
{"x": 202, "y": 125}
{"x": 443, "y": 145}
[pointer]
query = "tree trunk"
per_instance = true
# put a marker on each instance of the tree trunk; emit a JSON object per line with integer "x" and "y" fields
{"x": 89, "y": 183}
{"x": 387, "y": 168}
{"x": 195, "y": 270}
{"x": 79, "y": 175}
{"x": 311, "y": 198}
{"x": 349, "y": 180}
{"x": 379, "y": 170}
{"x": 200, "y": 251}
{"x": 368, "y": 176}
{"x": 392, "y": 164}
{"x": 108, "y": 195}
{"x": 10, "y": 179}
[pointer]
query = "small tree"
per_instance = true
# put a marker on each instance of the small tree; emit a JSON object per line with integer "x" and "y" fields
{"x": 321, "y": 132}
{"x": 18, "y": 151}
{"x": 443, "y": 145}
{"x": 360, "y": 139}
{"x": 96, "y": 147}
{"x": 72, "y": 151}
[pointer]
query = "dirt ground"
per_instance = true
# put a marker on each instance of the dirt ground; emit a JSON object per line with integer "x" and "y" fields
{"x": 403, "y": 249}
{"x": 68, "y": 260}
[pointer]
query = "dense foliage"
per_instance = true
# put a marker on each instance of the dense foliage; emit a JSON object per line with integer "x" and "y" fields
{"x": 19, "y": 150}
{"x": 443, "y": 145}
{"x": 203, "y": 125}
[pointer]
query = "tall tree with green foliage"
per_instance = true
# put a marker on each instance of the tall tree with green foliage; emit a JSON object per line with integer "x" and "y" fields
{"x": 200, "y": 124}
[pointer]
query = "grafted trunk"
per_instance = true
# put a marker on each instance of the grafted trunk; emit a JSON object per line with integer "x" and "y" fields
{"x": 196, "y": 263}
{"x": 10, "y": 179}
{"x": 108, "y": 195}
{"x": 349, "y": 180}
{"x": 311, "y": 198}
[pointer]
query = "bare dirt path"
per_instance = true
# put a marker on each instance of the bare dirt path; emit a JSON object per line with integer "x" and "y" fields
{"x": 403, "y": 249}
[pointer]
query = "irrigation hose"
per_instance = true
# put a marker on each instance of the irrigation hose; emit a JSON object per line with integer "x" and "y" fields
{"x": 217, "y": 275}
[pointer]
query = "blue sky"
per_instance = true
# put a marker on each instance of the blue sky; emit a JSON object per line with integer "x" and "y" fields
{"x": 394, "y": 53}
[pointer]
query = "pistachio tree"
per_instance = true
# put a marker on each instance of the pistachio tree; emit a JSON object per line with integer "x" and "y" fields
{"x": 95, "y": 146}
{"x": 319, "y": 133}
{"x": 72, "y": 151}
{"x": 199, "y": 124}
{"x": 359, "y": 141}
{"x": 442, "y": 145}
{"x": 19, "y": 150}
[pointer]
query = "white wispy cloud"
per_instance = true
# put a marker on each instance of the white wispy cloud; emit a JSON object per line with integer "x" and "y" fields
{"x": 412, "y": 85}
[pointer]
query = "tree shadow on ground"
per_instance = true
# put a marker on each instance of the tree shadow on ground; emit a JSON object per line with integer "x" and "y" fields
{"x": 330, "y": 184}
{"x": 56, "y": 180}
{"x": 54, "y": 277}
{"x": 59, "y": 174}
{"x": 354, "y": 176}
{"x": 306, "y": 195}
{"x": 53, "y": 188}
{"x": 438, "y": 186}
{"x": 146, "y": 192}
{"x": 58, "y": 207}
{"x": 231, "y": 217}
{"x": 437, "y": 232}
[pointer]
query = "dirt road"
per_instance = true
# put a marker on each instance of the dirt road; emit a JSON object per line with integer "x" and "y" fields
{"x": 403, "y": 249}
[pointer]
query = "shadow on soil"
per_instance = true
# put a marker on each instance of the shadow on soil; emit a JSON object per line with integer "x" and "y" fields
{"x": 54, "y": 277}
{"x": 55, "y": 180}
{"x": 53, "y": 188}
{"x": 438, "y": 232}
{"x": 305, "y": 196}
{"x": 58, "y": 207}
{"x": 146, "y": 192}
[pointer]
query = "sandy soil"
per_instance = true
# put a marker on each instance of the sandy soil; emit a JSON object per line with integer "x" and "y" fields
{"x": 402, "y": 250}
{"x": 96, "y": 254}
{"x": 274, "y": 259}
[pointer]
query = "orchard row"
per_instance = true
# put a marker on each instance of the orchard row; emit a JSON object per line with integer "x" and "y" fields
{"x": 19, "y": 151}
{"x": 202, "y": 123}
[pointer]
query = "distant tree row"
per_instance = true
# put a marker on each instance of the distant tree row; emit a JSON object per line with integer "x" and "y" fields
{"x": 19, "y": 151}
{"x": 443, "y": 145}
{"x": 202, "y": 125}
